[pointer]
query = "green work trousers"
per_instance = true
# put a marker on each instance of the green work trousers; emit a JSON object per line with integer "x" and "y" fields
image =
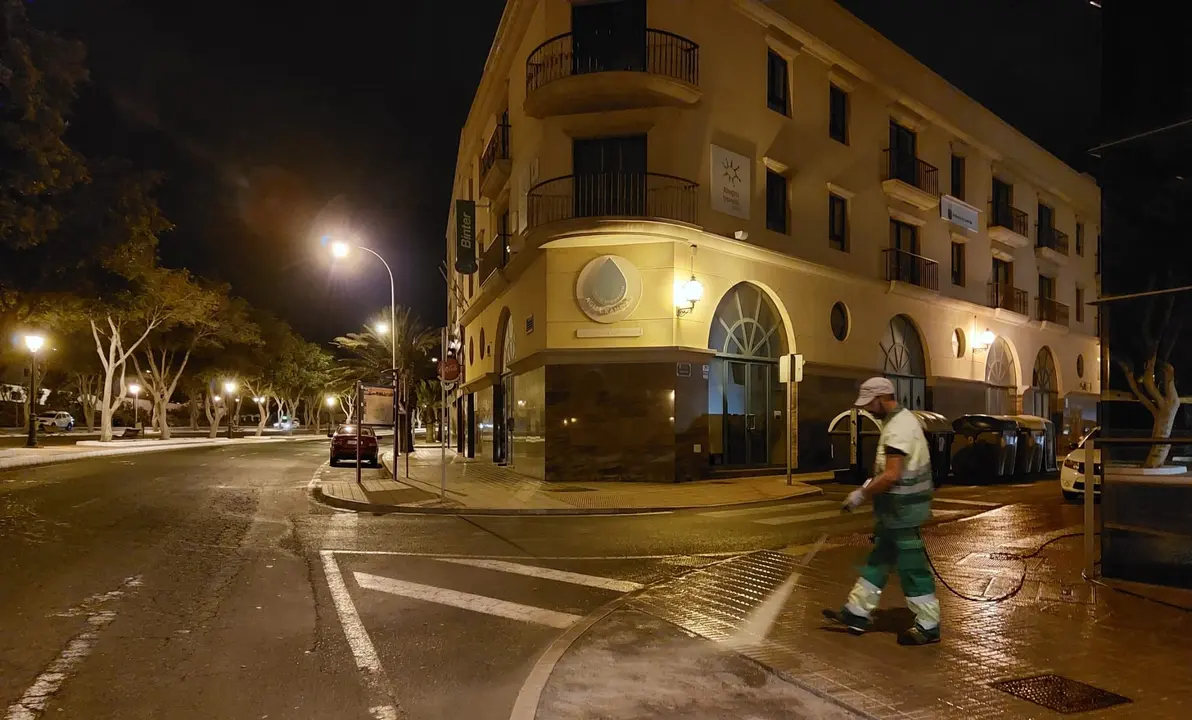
{"x": 900, "y": 548}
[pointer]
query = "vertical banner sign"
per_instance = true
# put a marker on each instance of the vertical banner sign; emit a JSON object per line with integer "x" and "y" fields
{"x": 465, "y": 237}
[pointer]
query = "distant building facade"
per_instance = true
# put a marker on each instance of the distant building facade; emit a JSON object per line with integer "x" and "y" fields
{"x": 668, "y": 200}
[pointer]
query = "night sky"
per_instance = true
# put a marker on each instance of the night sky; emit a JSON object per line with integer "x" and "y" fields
{"x": 276, "y": 123}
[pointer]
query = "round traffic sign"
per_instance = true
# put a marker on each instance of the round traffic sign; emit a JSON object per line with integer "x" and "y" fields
{"x": 449, "y": 370}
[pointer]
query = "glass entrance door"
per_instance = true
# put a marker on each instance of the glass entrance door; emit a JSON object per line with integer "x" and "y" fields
{"x": 747, "y": 412}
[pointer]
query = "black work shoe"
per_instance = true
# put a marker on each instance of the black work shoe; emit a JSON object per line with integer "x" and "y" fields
{"x": 856, "y": 624}
{"x": 918, "y": 636}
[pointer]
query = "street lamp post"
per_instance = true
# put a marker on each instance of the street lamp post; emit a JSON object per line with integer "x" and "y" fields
{"x": 136, "y": 398}
{"x": 229, "y": 388}
{"x": 33, "y": 343}
{"x": 331, "y": 413}
{"x": 341, "y": 249}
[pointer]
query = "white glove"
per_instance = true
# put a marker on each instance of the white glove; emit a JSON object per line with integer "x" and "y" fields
{"x": 853, "y": 501}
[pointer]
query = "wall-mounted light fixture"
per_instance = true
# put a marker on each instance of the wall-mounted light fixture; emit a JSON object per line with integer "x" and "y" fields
{"x": 687, "y": 294}
{"x": 983, "y": 340}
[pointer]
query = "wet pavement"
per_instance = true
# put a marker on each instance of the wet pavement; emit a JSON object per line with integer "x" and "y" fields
{"x": 206, "y": 583}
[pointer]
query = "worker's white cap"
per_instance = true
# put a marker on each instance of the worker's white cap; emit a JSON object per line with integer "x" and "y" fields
{"x": 872, "y": 388}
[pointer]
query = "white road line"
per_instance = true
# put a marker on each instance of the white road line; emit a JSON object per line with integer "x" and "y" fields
{"x": 403, "y": 553}
{"x": 549, "y": 574}
{"x": 467, "y": 601}
{"x": 978, "y": 503}
{"x": 33, "y": 703}
{"x": 937, "y": 513}
{"x": 808, "y": 517}
{"x": 358, "y": 640}
{"x": 767, "y": 509}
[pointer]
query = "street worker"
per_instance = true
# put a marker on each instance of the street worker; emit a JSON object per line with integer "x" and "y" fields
{"x": 901, "y": 491}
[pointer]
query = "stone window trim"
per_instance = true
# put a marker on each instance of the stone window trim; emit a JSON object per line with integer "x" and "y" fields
{"x": 905, "y": 217}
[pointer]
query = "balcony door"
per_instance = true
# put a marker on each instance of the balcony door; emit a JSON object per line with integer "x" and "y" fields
{"x": 608, "y": 36}
{"x": 903, "y": 152}
{"x": 904, "y": 237}
{"x": 1003, "y": 198}
{"x": 1002, "y": 280}
{"x": 610, "y": 176}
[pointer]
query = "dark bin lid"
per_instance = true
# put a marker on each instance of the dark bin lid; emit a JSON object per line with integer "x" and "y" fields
{"x": 984, "y": 423}
{"x": 1034, "y": 422}
{"x": 933, "y": 422}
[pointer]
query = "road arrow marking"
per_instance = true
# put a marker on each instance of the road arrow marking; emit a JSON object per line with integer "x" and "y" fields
{"x": 466, "y": 601}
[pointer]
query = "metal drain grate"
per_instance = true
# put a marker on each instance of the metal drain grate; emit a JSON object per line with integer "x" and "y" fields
{"x": 1060, "y": 694}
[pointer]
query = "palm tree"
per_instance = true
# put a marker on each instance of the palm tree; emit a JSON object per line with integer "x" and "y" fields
{"x": 372, "y": 353}
{"x": 429, "y": 406}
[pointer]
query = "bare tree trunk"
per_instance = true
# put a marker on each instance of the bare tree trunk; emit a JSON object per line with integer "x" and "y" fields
{"x": 194, "y": 413}
{"x": 263, "y": 411}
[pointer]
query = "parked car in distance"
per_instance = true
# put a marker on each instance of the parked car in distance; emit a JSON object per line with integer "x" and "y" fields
{"x": 287, "y": 423}
{"x": 56, "y": 421}
{"x": 343, "y": 446}
{"x": 1072, "y": 471}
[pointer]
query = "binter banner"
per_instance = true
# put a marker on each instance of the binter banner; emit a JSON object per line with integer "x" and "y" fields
{"x": 465, "y": 237}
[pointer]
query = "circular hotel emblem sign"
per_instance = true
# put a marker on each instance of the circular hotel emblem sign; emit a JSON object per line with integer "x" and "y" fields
{"x": 608, "y": 289}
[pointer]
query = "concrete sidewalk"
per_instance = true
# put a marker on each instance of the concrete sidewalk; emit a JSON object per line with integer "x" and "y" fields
{"x": 1056, "y": 623}
{"x": 11, "y": 458}
{"x": 481, "y": 487}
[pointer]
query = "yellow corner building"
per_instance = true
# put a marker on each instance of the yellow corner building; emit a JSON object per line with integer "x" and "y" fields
{"x": 664, "y": 198}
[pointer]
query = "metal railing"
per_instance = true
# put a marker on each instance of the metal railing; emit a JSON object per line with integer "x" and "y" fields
{"x": 910, "y": 170}
{"x": 656, "y": 52}
{"x": 497, "y": 149}
{"x": 494, "y": 257}
{"x": 1009, "y": 298}
{"x": 1049, "y": 237}
{"x": 641, "y": 195}
{"x": 1051, "y": 310}
{"x": 1009, "y": 217}
{"x": 910, "y": 268}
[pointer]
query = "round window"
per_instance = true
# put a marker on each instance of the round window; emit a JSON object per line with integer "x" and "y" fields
{"x": 481, "y": 343}
{"x": 1080, "y": 366}
{"x": 840, "y": 321}
{"x": 959, "y": 347}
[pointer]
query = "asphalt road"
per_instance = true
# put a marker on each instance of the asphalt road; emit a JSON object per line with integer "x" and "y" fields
{"x": 206, "y": 584}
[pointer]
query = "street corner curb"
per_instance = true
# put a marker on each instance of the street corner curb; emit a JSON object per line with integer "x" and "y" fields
{"x": 384, "y": 509}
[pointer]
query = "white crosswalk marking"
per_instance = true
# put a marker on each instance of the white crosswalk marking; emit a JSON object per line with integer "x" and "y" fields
{"x": 466, "y": 601}
{"x": 742, "y": 512}
{"x": 548, "y": 574}
{"x": 809, "y": 517}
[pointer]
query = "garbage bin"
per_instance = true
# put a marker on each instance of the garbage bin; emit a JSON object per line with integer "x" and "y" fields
{"x": 939, "y": 432}
{"x": 1033, "y": 445}
{"x": 1023, "y": 453}
{"x": 854, "y": 452}
{"x": 983, "y": 448}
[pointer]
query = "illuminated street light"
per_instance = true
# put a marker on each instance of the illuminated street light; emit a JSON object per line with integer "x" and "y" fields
{"x": 341, "y": 249}
{"x": 229, "y": 388}
{"x": 33, "y": 343}
{"x": 330, "y": 401}
{"x": 136, "y": 397}
{"x": 382, "y": 328}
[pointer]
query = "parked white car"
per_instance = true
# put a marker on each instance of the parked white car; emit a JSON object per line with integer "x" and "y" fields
{"x": 1072, "y": 471}
{"x": 57, "y": 420}
{"x": 288, "y": 423}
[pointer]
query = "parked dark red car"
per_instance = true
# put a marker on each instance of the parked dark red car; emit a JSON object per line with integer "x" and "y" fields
{"x": 343, "y": 446}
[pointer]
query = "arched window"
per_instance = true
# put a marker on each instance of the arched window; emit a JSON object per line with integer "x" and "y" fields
{"x": 1001, "y": 377}
{"x": 905, "y": 363}
{"x": 1044, "y": 387}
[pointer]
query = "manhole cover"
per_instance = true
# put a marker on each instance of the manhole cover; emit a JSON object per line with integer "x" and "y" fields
{"x": 1060, "y": 693}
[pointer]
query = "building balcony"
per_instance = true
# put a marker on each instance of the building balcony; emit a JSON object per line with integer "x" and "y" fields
{"x": 647, "y": 196}
{"x": 494, "y": 257}
{"x": 495, "y": 163}
{"x": 1048, "y": 310}
{"x": 1005, "y": 297}
{"x": 910, "y": 180}
{"x": 1008, "y": 225}
{"x": 912, "y": 269}
{"x": 1051, "y": 244}
{"x": 659, "y": 69}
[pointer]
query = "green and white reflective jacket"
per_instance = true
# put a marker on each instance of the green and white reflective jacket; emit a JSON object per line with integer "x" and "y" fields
{"x": 908, "y": 502}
